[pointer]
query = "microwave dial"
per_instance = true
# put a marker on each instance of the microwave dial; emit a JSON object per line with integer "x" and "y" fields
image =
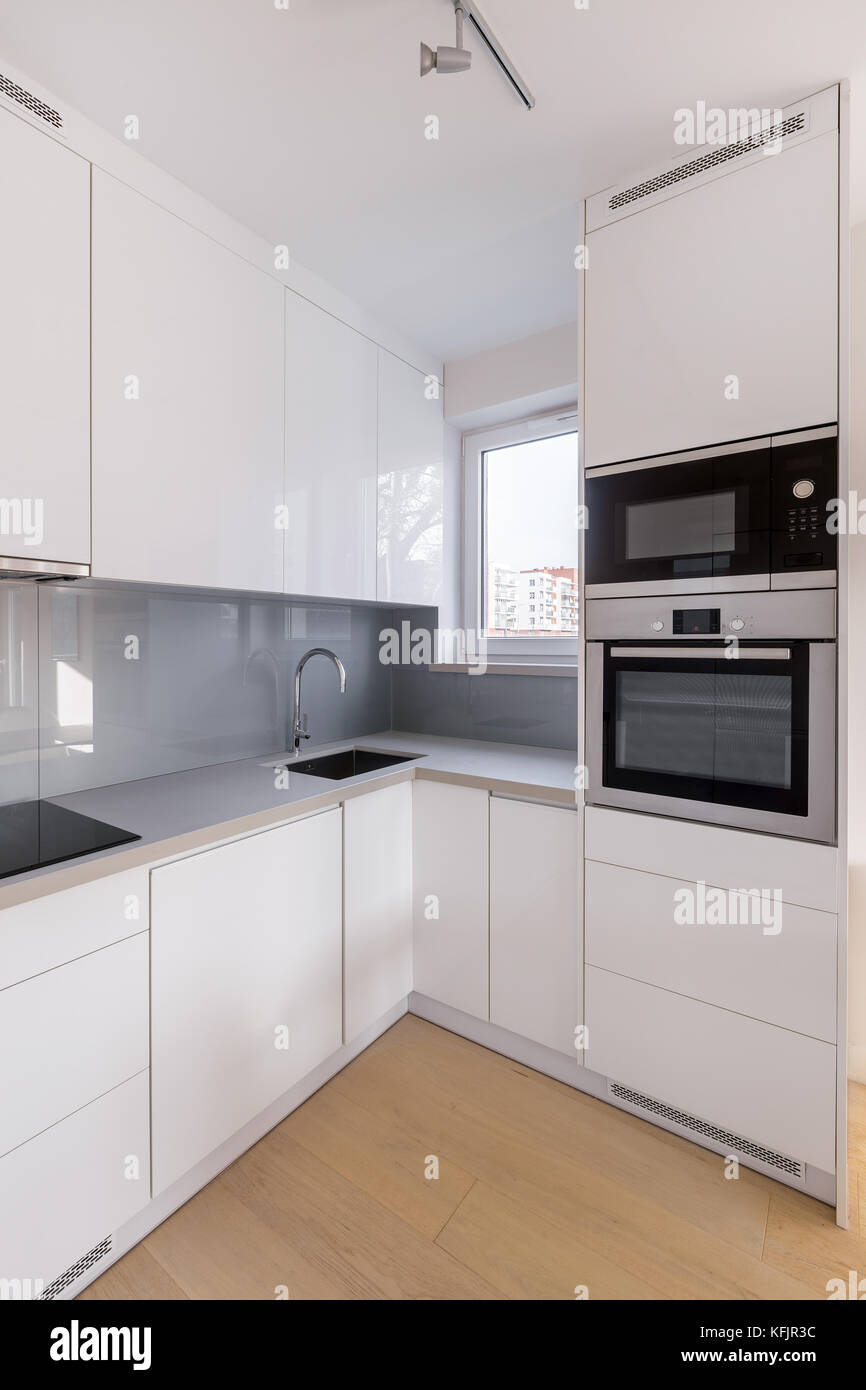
{"x": 803, "y": 488}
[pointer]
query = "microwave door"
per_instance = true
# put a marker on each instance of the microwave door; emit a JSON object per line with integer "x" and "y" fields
{"x": 680, "y": 526}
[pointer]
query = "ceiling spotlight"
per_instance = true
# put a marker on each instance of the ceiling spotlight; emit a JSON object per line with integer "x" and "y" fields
{"x": 457, "y": 59}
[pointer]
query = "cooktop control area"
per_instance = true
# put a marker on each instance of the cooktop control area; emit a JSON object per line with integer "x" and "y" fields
{"x": 807, "y": 613}
{"x": 36, "y": 833}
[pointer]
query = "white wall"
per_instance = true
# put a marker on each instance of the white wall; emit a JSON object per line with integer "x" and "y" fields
{"x": 524, "y": 377}
{"x": 857, "y": 675}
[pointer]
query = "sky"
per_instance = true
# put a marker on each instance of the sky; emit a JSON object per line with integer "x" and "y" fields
{"x": 532, "y": 503}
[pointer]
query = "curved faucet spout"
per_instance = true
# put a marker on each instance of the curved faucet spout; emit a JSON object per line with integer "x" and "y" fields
{"x": 299, "y": 729}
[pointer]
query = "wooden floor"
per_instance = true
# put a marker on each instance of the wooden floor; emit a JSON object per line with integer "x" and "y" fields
{"x": 540, "y": 1190}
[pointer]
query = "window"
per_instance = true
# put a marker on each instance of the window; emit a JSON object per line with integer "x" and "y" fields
{"x": 522, "y": 538}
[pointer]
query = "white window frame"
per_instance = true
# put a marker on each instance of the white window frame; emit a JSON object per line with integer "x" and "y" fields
{"x": 475, "y": 444}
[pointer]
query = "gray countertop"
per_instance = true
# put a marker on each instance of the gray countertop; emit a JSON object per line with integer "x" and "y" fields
{"x": 183, "y": 811}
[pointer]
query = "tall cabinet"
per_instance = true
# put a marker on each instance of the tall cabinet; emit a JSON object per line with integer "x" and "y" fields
{"x": 44, "y": 347}
{"x": 411, "y": 484}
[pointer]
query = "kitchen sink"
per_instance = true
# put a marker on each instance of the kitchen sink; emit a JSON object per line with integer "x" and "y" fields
{"x": 350, "y": 763}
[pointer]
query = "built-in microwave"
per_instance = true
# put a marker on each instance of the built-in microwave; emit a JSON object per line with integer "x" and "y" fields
{"x": 718, "y": 710}
{"x": 745, "y": 516}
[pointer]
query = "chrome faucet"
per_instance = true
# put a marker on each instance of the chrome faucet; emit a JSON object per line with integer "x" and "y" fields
{"x": 299, "y": 725}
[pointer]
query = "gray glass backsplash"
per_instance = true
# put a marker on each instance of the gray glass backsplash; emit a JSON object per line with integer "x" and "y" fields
{"x": 135, "y": 682}
{"x": 102, "y": 684}
{"x": 536, "y": 710}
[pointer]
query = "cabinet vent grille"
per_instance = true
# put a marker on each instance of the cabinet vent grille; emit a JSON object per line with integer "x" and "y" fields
{"x": 734, "y": 1143}
{"x": 32, "y": 103}
{"x": 69, "y": 1275}
{"x": 720, "y": 154}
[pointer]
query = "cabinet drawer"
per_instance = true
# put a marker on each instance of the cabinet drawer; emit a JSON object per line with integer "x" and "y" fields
{"x": 70, "y": 1187}
{"x": 787, "y": 978}
{"x": 805, "y": 873}
{"x": 762, "y": 1083}
{"x": 38, "y": 935}
{"x": 69, "y": 1035}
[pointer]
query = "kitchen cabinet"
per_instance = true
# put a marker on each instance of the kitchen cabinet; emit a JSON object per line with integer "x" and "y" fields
{"x": 71, "y": 1034}
{"x": 410, "y": 484}
{"x": 44, "y": 347}
{"x": 755, "y": 1081}
{"x": 450, "y": 893}
{"x": 771, "y": 960}
{"x": 331, "y": 455}
{"x": 187, "y": 403}
{"x": 711, "y": 314}
{"x": 246, "y": 982}
{"x": 535, "y": 965}
{"x": 378, "y": 904}
{"x": 64, "y": 1193}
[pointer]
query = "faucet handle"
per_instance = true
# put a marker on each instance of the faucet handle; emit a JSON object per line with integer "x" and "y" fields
{"x": 303, "y": 727}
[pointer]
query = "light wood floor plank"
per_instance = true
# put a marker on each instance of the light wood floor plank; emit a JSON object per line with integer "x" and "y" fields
{"x": 528, "y": 1258}
{"x": 342, "y": 1231}
{"x": 136, "y": 1275}
{"x": 388, "y": 1162}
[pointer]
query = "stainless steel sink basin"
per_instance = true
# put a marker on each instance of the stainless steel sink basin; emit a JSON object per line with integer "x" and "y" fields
{"x": 350, "y": 763}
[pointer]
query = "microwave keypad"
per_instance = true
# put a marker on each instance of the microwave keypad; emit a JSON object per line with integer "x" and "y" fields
{"x": 804, "y": 518}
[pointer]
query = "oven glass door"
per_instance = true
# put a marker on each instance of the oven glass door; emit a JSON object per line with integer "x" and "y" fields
{"x": 690, "y": 722}
{"x": 705, "y": 519}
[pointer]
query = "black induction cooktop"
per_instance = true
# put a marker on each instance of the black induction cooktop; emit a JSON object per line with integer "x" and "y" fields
{"x": 36, "y": 833}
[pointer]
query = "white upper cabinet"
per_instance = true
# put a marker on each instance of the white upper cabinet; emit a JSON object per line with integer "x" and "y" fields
{"x": 44, "y": 347}
{"x": 712, "y": 315}
{"x": 187, "y": 402}
{"x": 411, "y": 484}
{"x": 331, "y": 374}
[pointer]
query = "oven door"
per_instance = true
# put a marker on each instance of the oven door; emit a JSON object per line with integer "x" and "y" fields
{"x": 691, "y": 522}
{"x": 684, "y": 730}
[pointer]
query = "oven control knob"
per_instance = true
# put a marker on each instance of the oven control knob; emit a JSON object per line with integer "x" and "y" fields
{"x": 737, "y": 624}
{"x": 804, "y": 488}
{"x": 657, "y": 625}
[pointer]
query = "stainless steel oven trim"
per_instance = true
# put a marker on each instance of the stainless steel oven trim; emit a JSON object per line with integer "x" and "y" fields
{"x": 745, "y": 446}
{"x": 820, "y": 823}
{"x": 800, "y": 579}
{"x": 661, "y": 653}
{"x": 804, "y": 436}
{"x": 739, "y": 584}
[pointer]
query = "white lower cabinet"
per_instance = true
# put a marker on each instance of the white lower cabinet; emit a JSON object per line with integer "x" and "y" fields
{"x": 535, "y": 921}
{"x": 71, "y": 1034}
{"x": 69, "y": 1188}
{"x": 450, "y": 891}
{"x": 759, "y": 1082}
{"x": 246, "y": 946}
{"x": 772, "y": 960}
{"x": 378, "y": 904}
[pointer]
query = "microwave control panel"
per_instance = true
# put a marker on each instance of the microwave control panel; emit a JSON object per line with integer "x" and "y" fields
{"x": 805, "y": 487}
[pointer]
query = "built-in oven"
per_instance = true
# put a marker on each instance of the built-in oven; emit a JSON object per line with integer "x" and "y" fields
{"x": 745, "y": 516}
{"x": 718, "y": 710}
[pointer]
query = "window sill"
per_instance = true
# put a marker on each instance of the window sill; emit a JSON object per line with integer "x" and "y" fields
{"x": 506, "y": 668}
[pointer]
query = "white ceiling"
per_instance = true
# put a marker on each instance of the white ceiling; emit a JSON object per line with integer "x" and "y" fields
{"x": 308, "y": 125}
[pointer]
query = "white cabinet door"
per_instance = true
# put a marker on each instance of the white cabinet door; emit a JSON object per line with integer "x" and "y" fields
{"x": 331, "y": 427}
{"x": 246, "y": 982}
{"x": 411, "y": 484}
{"x": 534, "y": 925}
{"x": 71, "y": 1034}
{"x": 187, "y": 402}
{"x": 44, "y": 347}
{"x": 378, "y": 904}
{"x": 450, "y": 888}
{"x": 736, "y": 278}
{"x": 759, "y": 1082}
{"x": 73, "y": 1185}
{"x": 770, "y": 960}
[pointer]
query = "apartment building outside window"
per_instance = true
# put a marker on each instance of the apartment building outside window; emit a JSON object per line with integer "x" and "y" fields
{"x": 521, "y": 538}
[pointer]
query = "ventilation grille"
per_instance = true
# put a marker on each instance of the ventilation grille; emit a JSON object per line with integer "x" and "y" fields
{"x": 33, "y": 104}
{"x": 721, "y": 154}
{"x": 734, "y": 1143}
{"x": 71, "y": 1274}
